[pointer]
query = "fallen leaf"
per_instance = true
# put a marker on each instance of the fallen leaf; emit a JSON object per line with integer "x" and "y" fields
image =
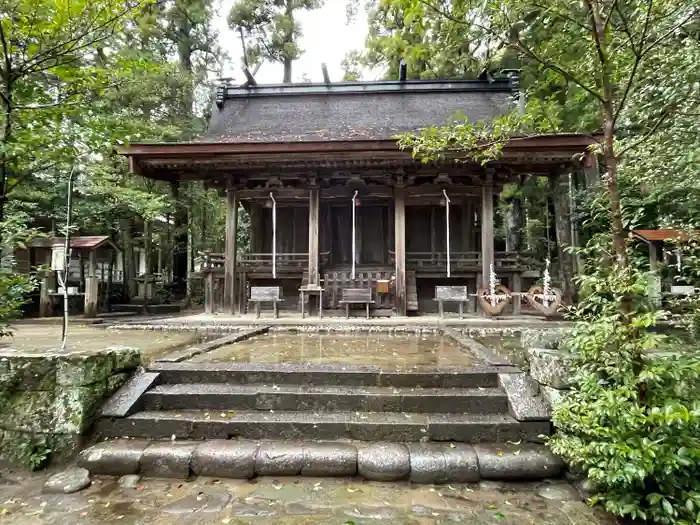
{"x": 499, "y": 515}
{"x": 500, "y": 453}
{"x": 492, "y": 507}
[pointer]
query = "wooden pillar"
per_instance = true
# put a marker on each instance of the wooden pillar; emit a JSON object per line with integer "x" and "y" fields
{"x": 45, "y": 304}
{"x": 313, "y": 237}
{"x": 487, "y": 254}
{"x": 467, "y": 225}
{"x": 400, "y": 248}
{"x": 654, "y": 277}
{"x": 230, "y": 251}
{"x": 91, "y": 286}
{"x": 148, "y": 281}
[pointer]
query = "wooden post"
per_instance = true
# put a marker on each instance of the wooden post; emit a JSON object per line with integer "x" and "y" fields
{"x": 654, "y": 278}
{"x": 91, "y": 286}
{"x": 45, "y": 304}
{"x": 486, "y": 233}
{"x": 147, "y": 248}
{"x": 209, "y": 292}
{"x": 516, "y": 287}
{"x": 400, "y": 248}
{"x": 313, "y": 237}
{"x": 230, "y": 251}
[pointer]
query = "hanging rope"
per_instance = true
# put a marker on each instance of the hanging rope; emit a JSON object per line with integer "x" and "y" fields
{"x": 353, "y": 233}
{"x": 274, "y": 236}
{"x": 447, "y": 230}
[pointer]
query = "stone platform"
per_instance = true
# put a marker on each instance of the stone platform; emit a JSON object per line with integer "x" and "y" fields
{"x": 445, "y": 421}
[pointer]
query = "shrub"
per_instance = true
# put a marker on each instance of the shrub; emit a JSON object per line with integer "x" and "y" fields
{"x": 631, "y": 422}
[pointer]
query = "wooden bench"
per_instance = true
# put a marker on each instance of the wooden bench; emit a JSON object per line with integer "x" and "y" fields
{"x": 356, "y": 296}
{"x": 265, "y": 294}
{"x": 452, "y": 294}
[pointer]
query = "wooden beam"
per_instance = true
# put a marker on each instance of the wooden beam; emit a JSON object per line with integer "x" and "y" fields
{"x": 313, "y": 237}
{"x": 400, "y": 248}
{"x": 91, "y": 287}
{"x": 230, "y": 251}
{"x": 486, "y": 233}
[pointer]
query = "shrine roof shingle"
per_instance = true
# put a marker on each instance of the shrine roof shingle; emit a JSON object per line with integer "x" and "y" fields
{"x": 349, "y": 110}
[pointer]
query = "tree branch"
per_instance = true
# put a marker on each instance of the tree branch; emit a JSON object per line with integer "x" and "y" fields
{"x": 648, "y": 134}
{"x": 635, "y": 66}
{"x": 670, "y": 31}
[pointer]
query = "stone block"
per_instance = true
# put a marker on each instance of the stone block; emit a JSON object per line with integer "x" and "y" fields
{"x": 116, "y": 381}
{"x": 64, "y": 447}
{"x": 552, "y": 395}
{"x": 329, "y": 459}
{"x": 550, "y": 338}
{"x": 84, "y": 369}
{"x": 524, "y": 402}
{"x": 220, "y": 458}
{"x": 443, "y": 463}
{"x": 30, "y": 410}
{"x": 29, "y": 372}
{"x": 113, "y": 458}
{"x": 517, "y": 462}
{"x": 383, "y": 462}
{"x": 74, "y": 407}
{"x": 125, "y": 359}
{"x": 551, "y": 367}
{"x": 167, "y": 460}
{"x": 279, "y": 459}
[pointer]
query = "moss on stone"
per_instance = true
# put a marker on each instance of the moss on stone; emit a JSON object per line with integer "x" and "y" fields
{"x": 74, "y": 407}
{"x": 125, "y": 358}
{"x": 27, "y": 410}
{"x": 81, "y": 370}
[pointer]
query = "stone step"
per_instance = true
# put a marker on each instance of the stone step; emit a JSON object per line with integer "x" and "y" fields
{"x": 417, "y": 462}
{"x": 362, "y": 426}
{"x": 327, "y": 375}
{"x": 226, "y": 396}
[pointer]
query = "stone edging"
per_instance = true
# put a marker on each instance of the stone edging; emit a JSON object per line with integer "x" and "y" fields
{"x": 416, "y": 462}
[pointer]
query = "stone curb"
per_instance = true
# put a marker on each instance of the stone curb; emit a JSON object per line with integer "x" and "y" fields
{"x": 433, "y": 463}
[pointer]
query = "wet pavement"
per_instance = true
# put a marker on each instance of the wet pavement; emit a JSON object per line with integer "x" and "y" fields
{"x": 43, "y": 337}
{"x": 505, "y": 346}
{"x": 403, "y": 351}
{"x": 291, "y": 501}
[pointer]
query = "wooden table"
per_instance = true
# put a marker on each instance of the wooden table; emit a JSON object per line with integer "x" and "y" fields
{"x": 311, "y": 290}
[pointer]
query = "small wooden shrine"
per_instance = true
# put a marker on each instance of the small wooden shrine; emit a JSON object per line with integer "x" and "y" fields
{"x": 334, "y": 204}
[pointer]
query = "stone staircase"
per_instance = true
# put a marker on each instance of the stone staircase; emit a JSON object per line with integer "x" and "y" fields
{"x": 321, "y": 402}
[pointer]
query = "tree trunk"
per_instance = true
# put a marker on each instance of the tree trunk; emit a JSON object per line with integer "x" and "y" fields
{"x": 5, "y": 134}
{"x": 128, "y": 259}
{"x": 287, "y": 71}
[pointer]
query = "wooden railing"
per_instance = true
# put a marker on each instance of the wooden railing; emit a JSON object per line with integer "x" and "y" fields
{"x": 263, "y": 261}
{"x": 461, "y": 261}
